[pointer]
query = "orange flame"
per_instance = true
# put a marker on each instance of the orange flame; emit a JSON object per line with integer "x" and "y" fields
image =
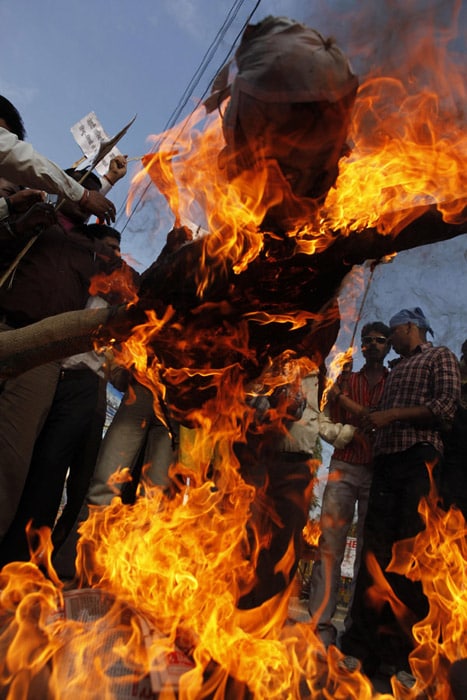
{"x": 119, "y": 284}
{"x": 182, "y": 562}
{"x": 436, "y": 557}
{"x": 312, "y": 533}
{"x": 340, "y": 364}
{"x": 408, "y": 152}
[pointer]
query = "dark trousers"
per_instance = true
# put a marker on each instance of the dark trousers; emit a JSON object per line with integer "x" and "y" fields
{"x": 454, "y": 476}
{"x": 82, "y": 465}
{"x": 25, "y": 401}
{"x": 62, "y": 438}
{"x": 283, "y": 484}
{"x": 375, "y": 635}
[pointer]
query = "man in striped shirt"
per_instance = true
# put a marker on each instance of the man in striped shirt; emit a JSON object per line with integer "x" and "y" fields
{"x": 418, "y": 403}
{"x": 350, "y": 475}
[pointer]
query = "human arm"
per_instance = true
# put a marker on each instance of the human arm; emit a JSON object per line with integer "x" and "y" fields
{"x": 117, "y": 375}
{"x": 20, "y": 163}
{"x": 23, "y": 213}
{"x": 28, "y": 224}
{"x": 343, "y": 410}
{"x": 341, "y": 399}
{"x": 338, "y": 396}
{"x": 437, "y": 406}
{"x": 21, "y": 201}
{"x": 117, "y": 170}
{"x": 419, "y": 415}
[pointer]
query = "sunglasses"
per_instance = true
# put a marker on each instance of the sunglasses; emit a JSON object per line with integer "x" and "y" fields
{"x": 368, "y": 339}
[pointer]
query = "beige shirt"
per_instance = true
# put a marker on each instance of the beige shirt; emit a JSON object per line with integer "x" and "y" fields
{"x": 21, "y": 164}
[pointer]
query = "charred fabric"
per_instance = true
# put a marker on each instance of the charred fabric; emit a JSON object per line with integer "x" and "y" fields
{"x": 289, "y": 81}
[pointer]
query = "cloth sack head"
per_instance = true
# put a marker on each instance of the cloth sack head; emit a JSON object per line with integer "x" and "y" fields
{"x": 291, "y": 101}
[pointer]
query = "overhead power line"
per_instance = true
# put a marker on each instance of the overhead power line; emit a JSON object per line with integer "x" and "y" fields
{"x": 194, "y": 82}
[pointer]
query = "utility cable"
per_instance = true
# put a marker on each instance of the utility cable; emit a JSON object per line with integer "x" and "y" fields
{"x": 206, "y": 60}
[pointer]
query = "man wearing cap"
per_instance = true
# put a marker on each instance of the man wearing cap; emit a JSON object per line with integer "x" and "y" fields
{"x": 418, "y": 403}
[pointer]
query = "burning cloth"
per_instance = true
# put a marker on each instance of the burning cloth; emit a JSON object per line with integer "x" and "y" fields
{"x": 225, "y": 328}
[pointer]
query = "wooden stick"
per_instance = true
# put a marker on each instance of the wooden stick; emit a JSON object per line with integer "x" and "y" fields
{"x": 104, "y": 149}
{"x": 29, "y": 244}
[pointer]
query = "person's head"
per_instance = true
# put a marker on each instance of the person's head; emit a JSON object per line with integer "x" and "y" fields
{"x": 10, "y": 118}
{"x": 71, "y": 210}
{"x": 290, "y": 107}
{"x": 108, "y": 235}
{"x": 408, "y": 329}
{"x": 8, "y": 188}
{"x": 375, "y": 341}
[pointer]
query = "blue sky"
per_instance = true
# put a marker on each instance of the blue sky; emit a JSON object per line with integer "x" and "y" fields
{"x": 60, "y": 60}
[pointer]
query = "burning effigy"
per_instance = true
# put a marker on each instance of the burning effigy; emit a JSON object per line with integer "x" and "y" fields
{"x": 186, "y": 596}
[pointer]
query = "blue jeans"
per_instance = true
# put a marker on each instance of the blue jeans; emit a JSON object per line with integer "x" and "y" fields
{"x": 347, "y": 485}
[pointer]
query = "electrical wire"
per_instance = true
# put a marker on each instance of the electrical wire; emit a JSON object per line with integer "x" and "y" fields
{"x": 194, "y": 81}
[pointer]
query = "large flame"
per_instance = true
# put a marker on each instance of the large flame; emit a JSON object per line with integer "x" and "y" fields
{"x": 409, "y": 144}
{"x": 182, "y": 562}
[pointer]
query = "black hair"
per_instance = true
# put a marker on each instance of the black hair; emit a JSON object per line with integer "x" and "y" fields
{"x": 89, "y": 177}
{"x": 101, "y": 231}
{"x": 377, "y": 326}
{"x": 12, "y": 118}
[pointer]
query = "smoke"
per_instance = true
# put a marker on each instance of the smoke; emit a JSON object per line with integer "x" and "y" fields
{"x": 408, "y": 40}
{"x": 384, "y": 35}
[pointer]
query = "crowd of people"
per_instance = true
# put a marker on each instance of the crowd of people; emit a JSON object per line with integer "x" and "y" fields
{"x": 409, "y": 418}
{"x": 50, "y": 412}
{"x": 385, "y": 424}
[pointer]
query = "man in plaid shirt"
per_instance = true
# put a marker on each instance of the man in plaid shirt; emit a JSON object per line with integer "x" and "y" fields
{"x": 419, "y": 401}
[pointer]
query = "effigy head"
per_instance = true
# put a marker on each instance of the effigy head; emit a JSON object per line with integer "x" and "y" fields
{"x": 290, "y": 106}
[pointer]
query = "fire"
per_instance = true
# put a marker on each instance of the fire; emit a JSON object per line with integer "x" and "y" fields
{"x": 232, "y": 211}
{"x": 340, "y": 364}
{"x": 180, "y": 563}
{"x": 312, "y": 532}
{"x": 415, "y": 144}
{"x": 437, "y": 557}
{"x": 408, "y": 150}
{"x": 188, "y": 592}
{"x": 119, "y": 283}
